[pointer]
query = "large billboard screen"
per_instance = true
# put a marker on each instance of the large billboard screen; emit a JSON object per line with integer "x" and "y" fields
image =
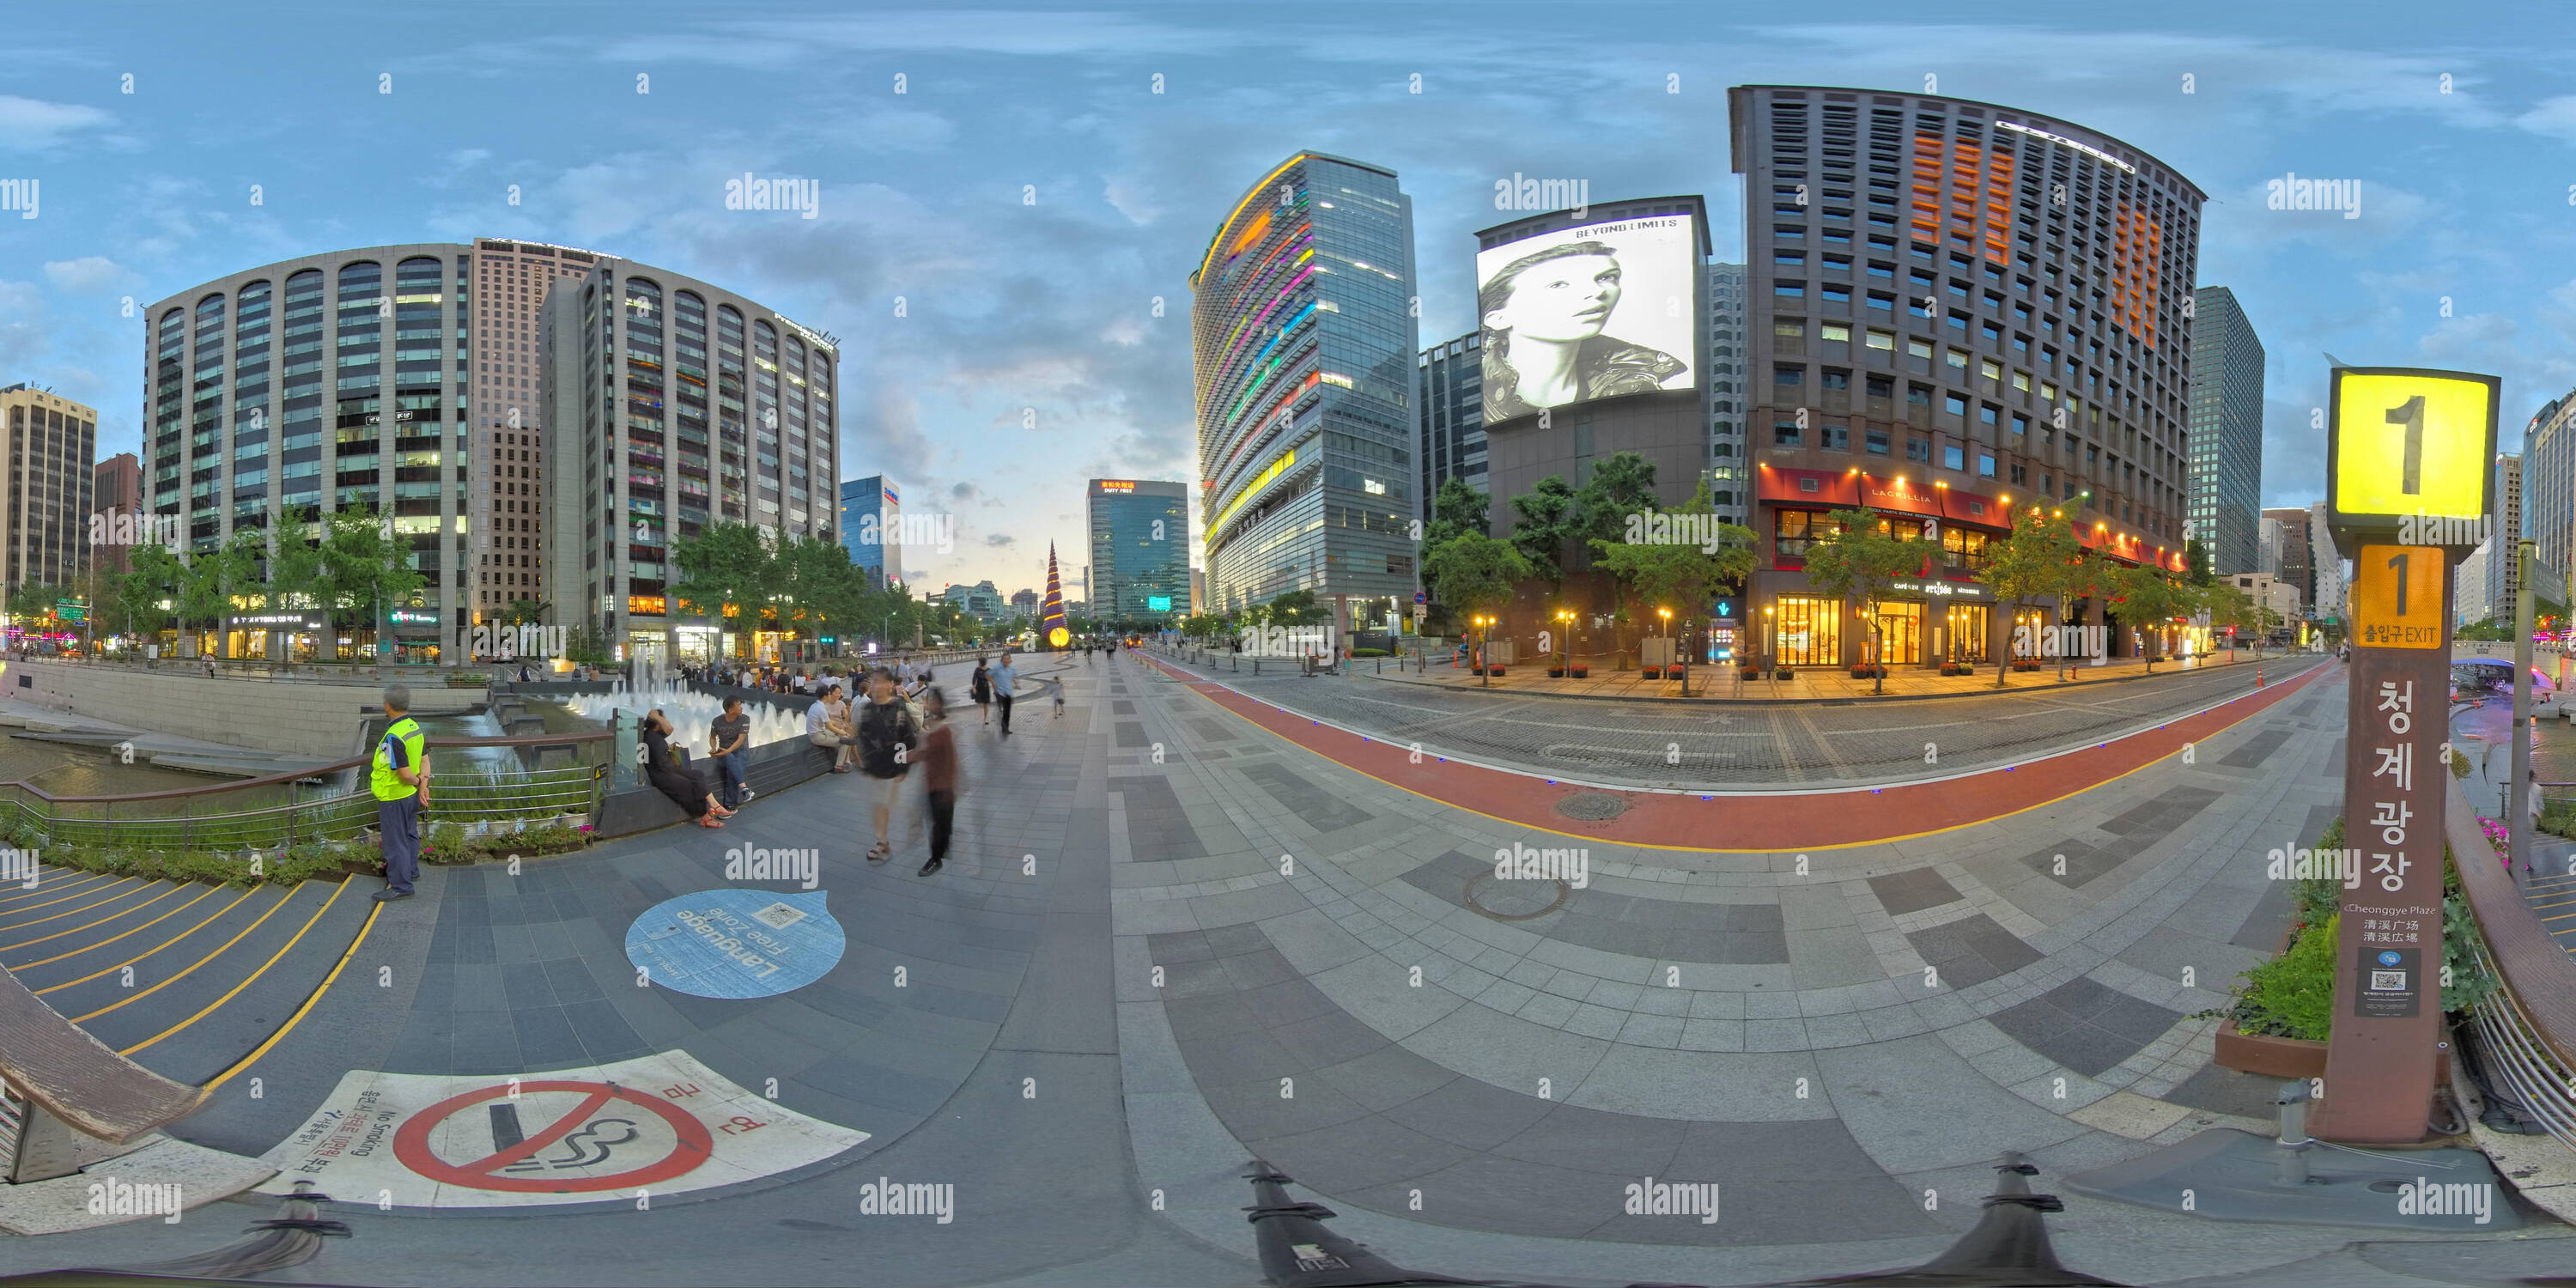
{"x": 1595, "y": 311}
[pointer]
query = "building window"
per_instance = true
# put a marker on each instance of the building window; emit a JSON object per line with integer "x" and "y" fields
{"x": 1882, "y": 340}
{"x": 1882, "y": 387}
{"x": 1808, "y": 631}
{"x": 1785, "y": 433}
{"x": 1876, "y": 441}
{"x": 1833, "y": 438}
{"x": 1788, "y": 377}
{"x": 1834, "y": 331}
{"x": 1985, "y": 465}
{"x": 1837, "y": 379}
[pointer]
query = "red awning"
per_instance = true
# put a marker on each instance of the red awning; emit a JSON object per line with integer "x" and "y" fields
{"x": 1812, "y": 487}
{"x": 1971, "y": 507}
{"x": 1889, "y": 492}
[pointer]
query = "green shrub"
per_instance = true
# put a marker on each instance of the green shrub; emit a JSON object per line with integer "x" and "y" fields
{"x": 2292, "y": 995}
{"x": 1369, "y": 652}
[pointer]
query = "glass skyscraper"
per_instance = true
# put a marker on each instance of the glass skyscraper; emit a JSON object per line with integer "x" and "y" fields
{"x": 877, "y": 549}
{"x": 1305, "y": 348}
{"x": 1140, "y": 550}
{"x": 2226, "y": 431}
{"x": 1451, "y": 395}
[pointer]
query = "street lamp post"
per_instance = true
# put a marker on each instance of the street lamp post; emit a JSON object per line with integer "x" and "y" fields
{"x": 1484, "y": 677}
{"x": 1565, "y": 645}
{"x": 1667, "y": 615}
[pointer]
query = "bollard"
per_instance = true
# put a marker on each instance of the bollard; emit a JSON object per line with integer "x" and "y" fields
{"x": 2258, "y": 677}
{"x": 2294, "y": 1144}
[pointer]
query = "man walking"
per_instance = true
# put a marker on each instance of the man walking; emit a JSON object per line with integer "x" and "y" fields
{"x": 399, "y": 778}
{"x": 1004, "y": 678}
{"x": 729, "y": 741}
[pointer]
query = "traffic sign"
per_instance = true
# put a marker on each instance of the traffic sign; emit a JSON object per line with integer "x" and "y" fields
{"x": 593, "y": 1136}
{"x": 1421, "y": 598}
{"x": 2397, "y": 596}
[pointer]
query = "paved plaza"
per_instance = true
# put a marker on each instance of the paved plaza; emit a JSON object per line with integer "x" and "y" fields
{"x": 1177, "y": 938}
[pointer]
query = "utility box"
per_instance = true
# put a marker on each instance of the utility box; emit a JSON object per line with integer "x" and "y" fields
{"x": 1658, "y": 650}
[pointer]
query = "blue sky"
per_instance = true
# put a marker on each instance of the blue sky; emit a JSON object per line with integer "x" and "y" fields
{"x": 2464, "y": 253}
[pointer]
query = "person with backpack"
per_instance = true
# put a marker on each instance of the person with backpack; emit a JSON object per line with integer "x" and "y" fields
{"x": 888, "y": 739}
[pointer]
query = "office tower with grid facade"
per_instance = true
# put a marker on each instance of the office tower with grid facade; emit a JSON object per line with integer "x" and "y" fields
{"x": 52, "y": 449}
{"x": 1451, "y": 394}
{"x": 1140, "y": 551}
{"x": 2226, "y": 431}
{"x": 1957, "y": 310}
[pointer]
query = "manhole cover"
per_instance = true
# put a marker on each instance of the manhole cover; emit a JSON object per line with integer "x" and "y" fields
{"x": 1592, "y": 805}
{"x": 1515, "y": 900}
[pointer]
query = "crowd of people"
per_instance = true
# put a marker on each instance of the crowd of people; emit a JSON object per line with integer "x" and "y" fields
{"x": 878, "y": 722}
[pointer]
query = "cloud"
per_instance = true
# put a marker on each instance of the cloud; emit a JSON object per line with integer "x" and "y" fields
{"x": 964, "y": 492}
{"x": 25, "y": 332}
{"x": 88, "y": 274}
{"x": 2551, "y": 118}
{"x": 1000, "y": 540}
{"x": 29, "y": 124}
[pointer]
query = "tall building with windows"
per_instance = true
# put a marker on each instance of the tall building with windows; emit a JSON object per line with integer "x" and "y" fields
{"x": 2226, "y": 431}
{"x": 116, "y": 498}
{"x": 2294, "y": 551}
{"x": 2325, "y": 564}
{"x": 1140, "y": 550}
{"x": 1730, "y": 450}
{"x": 1304, "y": 345}
{"x": 872, "y": 527}
{"x": 1451, "y": 396}
{"x": 1957, "y": 310}
{"x": 2503, "y": 571}
{"x": 2544, "y": 495}
{"x": 343, "y": 380}
{"x": 505, "y": 521}
{"x": 675, "y": 404}
{"x": 52, "y": 448}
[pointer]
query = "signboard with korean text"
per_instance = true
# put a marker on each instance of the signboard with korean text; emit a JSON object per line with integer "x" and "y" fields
{"x": 2397, "y": 596}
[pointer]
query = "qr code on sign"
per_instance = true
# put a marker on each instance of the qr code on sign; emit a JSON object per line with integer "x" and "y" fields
{"x": 778, "y": 916}
{"x": 2388, "y": 981}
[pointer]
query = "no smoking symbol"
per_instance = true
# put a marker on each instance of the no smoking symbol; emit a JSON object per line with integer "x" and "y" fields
{"x": 693, "y": 1144}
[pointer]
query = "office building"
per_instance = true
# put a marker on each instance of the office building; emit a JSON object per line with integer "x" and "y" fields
{"x": 2469, "y": 596}
{"x": 2291, "y": 550}
{"x": 676, "y": 404}
{"x": 2267, "y": 546}
{"x": 1637, "y": 380}
{"x": 1140, "y": 550}
{"x": 2503, "y": 572}
{"x": 2325, "y": 566}
{"x": 1956, "y": 309}
{"x": 982, "y": 601}
{"x": 1730, "y": 452}
{"x": 2274, "y": 593}
{"x": 1304, "y": 346}
{"x": 505, "y": 521}
{"x": 1024, "y": 603}
{"x": 1450, "y": 390}
{"x": 872, "y": 527}
{"x": 116, "y": 499}
{"x": 2540, "y": 495}
{"x": 2226, "y": 382}
{"x": 52, "y": 482}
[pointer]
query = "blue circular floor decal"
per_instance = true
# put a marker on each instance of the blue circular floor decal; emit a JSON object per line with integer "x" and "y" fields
{"x": 736, "y": 943}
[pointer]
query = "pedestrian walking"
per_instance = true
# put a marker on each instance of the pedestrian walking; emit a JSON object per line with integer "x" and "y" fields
{"x": 662, "y": 769}
{"x": 729, "y": 741}
{"x": 1005, "y": 680}
{"x": 980, "y": 688}
{"x": 888, "y": 738}
{"x": 939, "y": 767}
{"x": 1059, "y": 699}
{"x": 399, "y": 778}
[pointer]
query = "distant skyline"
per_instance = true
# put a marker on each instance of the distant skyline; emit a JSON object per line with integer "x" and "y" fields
{"x": 1004, "y": 246}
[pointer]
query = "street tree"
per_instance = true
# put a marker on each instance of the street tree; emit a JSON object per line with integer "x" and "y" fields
{"x": 1856, "y": 565}
{"x": 2030, "y": 563}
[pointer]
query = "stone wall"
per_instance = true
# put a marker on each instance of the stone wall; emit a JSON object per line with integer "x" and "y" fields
{"x": 285, "y": 716}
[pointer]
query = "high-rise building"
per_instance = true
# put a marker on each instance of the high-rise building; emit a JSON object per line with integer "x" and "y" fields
{"x": 872, "y": 527}
{"x": 2225, "y": 365}
{"x": 1730, "y": 452}
{"x": 2503, "y": 571}
{"x": 1304, "y": 344}
{"x": 2325, "y": 564}
{"x": 2539, "y": 495}
{"x": 2267, "y": 546}
{"x": 46, "y": 503}
{"x": 1024, "y": 603}
{"x": 2469, "y": 602}
{"x": 675, "y": 404}
{"x": 1140, "y": 550}
{"x": 1451, "y": 394}
{"x": 505, "y": 521}
{"x": 336, "y": 381}
{"x": 2294, "y": 551}
{"x": 116, "y": 499}
{"x": 1961, "y": 309}
{"x": 982, "y": 600}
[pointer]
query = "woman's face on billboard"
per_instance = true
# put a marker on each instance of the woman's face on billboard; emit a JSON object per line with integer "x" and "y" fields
{"x": 1562, "y": 299}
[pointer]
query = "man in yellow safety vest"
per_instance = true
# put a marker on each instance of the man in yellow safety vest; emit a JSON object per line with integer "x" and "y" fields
{"x": 399, "y": 775}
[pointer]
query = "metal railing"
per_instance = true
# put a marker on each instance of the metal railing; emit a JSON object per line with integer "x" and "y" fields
{"x": 557, "y": 775}
{"x": 2525, "y": 1032}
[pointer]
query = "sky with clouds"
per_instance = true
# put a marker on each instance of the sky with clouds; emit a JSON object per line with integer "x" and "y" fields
{"x": 1010, "y": 236}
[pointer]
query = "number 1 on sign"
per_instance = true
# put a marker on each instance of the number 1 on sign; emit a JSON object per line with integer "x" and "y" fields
{"x": 2399, "y": 562}
{"x": 2411, "y": 415}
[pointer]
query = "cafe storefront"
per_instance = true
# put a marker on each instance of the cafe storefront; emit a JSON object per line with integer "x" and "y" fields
{"x": 1940, "y": 614}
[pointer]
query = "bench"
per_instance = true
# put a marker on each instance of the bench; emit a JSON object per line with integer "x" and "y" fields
{"x": 61, "y": 1080}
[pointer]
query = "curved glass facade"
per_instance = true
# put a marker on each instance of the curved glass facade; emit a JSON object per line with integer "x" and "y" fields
{"x": 1304, "y": 347}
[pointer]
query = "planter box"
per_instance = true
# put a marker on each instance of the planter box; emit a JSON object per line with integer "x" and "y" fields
{"x": 1580, "y": 672}
{"x": 1493, "y": 670}
{"x": 1556, "y": 673}
{"x": 1654, "y": 673}
{"x": 2273, "y": 1057}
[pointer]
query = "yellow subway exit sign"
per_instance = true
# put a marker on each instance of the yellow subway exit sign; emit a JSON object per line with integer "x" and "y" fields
{"x": 2403, "y": 442}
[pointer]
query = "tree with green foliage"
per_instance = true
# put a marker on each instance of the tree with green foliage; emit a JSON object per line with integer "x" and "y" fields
{"x": 1680, "y": 576}
{"x": 726, "y": 572}
{"x": 1856, "y": 565}
{"x": 1545, "y": 520}
{"x": 2033, "y": 562}
{"x": 1455, "y": 508}
{"x": 527, "y": 612}
{"x": 2229, "y": 606}
{"x": 1477, "y": 573}
{"x": 366, "y": 566}
{"x": 1619, "y": 485}
{"x": 141, "y": 594}
{"x": 2196, "y": 559}
{"x": 2151, "y": 598}
{"x": 1297, "y": 608}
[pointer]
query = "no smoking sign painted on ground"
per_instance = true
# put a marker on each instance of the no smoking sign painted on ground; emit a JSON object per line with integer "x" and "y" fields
{"x": 663, "y": 1124}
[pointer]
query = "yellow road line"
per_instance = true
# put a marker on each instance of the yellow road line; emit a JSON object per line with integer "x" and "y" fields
{"x": 300, "y": 1012}
{"x": 209, "y": 894}
{"x": 69, "y": 897}
{"x": 41, "y": 890}
{"x": 211, "y": 918}
{"x": 192, "y": 966}
{"x": 282, "y": 950}
{"x": 174, "y": 889}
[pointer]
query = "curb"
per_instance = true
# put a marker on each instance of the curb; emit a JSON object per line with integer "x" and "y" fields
{"x": 1799, "y": 702}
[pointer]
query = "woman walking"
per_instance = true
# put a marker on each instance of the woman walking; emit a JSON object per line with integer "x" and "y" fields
{"x": 939, "y": 765}
{"x": 980, "y": 688}
{"x": 667, "y": 777}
